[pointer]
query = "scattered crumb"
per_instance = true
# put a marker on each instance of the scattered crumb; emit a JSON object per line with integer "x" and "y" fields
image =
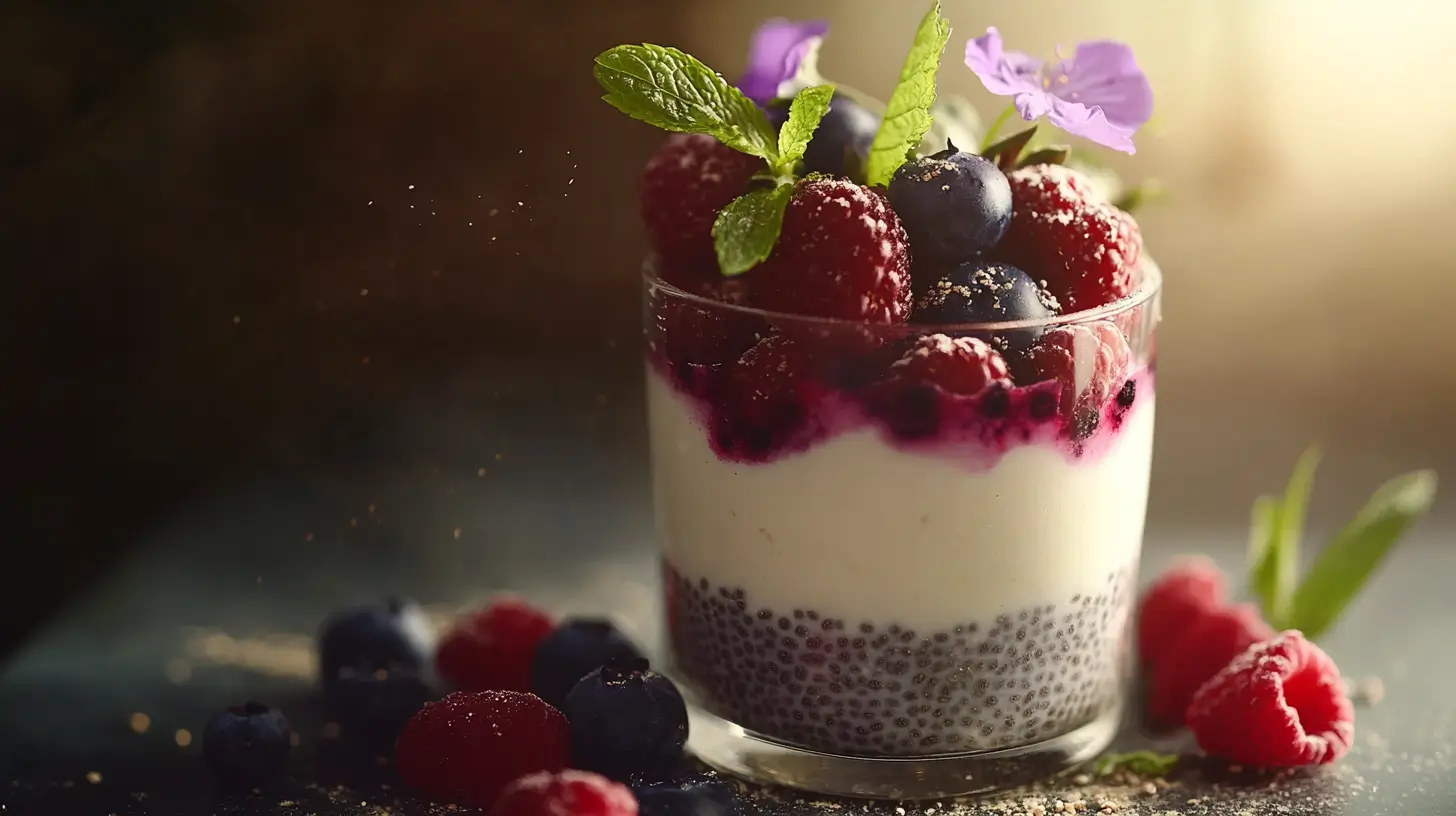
{"x": 1366, "y": 692}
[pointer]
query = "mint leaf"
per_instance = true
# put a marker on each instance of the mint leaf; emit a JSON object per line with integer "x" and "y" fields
{"x": 1285, "y": 537}
{"x": 1344, "y": 566}
{"x": 1007, "y": 152}
{"x": 669, "y": 89}
{"x": 746, "y": 229}
{"x": 1263, "y": 581}
{"x": 907, "y": 114}
{"x": 1142, "y": 763}
{"x": 808, "y": 107}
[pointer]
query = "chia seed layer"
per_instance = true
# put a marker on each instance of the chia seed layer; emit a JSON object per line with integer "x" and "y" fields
{"x": 875, "y": 688}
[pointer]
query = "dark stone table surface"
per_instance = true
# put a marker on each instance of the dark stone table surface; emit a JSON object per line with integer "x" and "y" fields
{"x": 99, "y": 712}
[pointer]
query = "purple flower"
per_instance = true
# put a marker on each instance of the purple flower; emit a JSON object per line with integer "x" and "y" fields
{"x": 1099, "y": 94}
{"x": 779, "y": 47}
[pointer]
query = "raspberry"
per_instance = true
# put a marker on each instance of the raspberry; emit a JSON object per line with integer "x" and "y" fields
{"x": 1174, "y": 604}
{"x": 685, "y": 184}
{"x": 493, "y": 648}
{"x": 470, "y": 745}
{"x": 1090, "y": 360}
{"x": 770, "y": 396}
{"x": 842, "y": 254}
{"x": 1278, "y": 704}
{"x": 577, "y": 793}
{"x": 958, "y": 365}
{"x": 1200, "y": 653}
{"x": 692, "y": 332}
{"x": 1068, "y": 234}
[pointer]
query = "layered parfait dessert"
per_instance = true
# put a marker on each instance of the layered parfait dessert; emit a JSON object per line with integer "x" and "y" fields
{"x": 900, "y": 398}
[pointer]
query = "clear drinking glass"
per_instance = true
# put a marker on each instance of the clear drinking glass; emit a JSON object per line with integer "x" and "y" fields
{"x": 879, "y": 587}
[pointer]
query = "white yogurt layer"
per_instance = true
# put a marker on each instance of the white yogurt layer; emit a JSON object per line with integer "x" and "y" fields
{"x": 857, "y": 529}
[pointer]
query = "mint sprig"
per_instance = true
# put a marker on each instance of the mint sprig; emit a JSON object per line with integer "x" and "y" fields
{"x": 1344, "y": 566}
{"x": 805, "y": 112}
{"x": 907, "y": 114}
{"x": 746, "y": 230}
{"x": 1142, "y": 763}
{"x": 674, "y": 91}
{"x": 1349, "y": 560}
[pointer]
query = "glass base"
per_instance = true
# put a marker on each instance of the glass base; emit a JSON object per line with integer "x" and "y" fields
{"x": 734, "y": 750}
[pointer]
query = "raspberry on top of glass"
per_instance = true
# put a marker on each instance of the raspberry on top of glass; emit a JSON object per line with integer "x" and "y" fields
{"x": 999, "y": 285}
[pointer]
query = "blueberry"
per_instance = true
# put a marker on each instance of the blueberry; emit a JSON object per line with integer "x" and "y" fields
{"x": 981, "y": 291}
{"x": 391, "y": 635}
{"x": 576, "y": 648}
{"x": 247, "y": 746}
{"x": 841, "y": 143}
{"x": 372, "y": 707}
{"x": 625, "y": 719}
{"x": 953, "y": 205}
{"x": 716, "y": 800}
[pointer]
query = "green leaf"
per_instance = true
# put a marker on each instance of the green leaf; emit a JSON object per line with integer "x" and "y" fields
{"x": 1142, "y": 763}
{"x": 747, "y": 228}
{"x": 1344, "y": 566}
{"x": 1051, "y": 154}
{"x": 809, "y": 106}
{"x": 1284, "y": 542}
{"x": 907, "y": 114}
{"x": 1135, "y": 198}
{"x": 1007, "y": 152}
{"x": 1263, "y": 581}
{"x": 671, "y": 90}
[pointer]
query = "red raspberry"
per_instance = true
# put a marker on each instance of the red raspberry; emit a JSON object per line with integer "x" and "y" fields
{"x": 770, "y": 399}
{"x": 577, "y": 793}
{"x": 493, "y": 648}
{"x": 1278, "y": 704}
{"x": 842, "y": 254}
{"x": 692, "y": 332}
{"x": 467, "y": 747}
{"x": 959, "y": 365}
{"x": 684, "y": 186}
{"x": 1068, "y": 234}
{"x": 1089, "y": 359}
{"x": 1174, "y": 604}
{"x": 1200, "y": 653}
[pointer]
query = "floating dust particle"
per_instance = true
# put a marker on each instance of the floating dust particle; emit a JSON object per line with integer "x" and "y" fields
{"x": 499, "y": 457}
{"x": 178, "y": 671}
{"x": 275, "y": 655}
{"x": 371, "y": 508}
{"x": 353, "y": 522}
{"x": 237, "y": 319}
{"x": 183, "y": 738}
{"x": 293, "y": 739}
{"x": 411, "y": 187}
{"x": 93, "y": 777}
{"x": 308, "y": 536}
{"x": 140, "y": 722}
{"x": 457, "y": 533}
{"x": 363, "y": 293}
{"x": 364, "y": 360}
{"x": 480, "y": 472}
{"x": 331, "y": 730}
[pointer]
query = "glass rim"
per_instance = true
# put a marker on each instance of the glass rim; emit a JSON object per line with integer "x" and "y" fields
{"x": 1150, "y": 283}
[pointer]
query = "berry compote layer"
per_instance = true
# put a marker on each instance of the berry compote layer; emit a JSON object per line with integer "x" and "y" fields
{"x": 896, "y": 540}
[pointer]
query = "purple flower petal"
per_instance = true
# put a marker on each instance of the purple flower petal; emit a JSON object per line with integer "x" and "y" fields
{"x": 1106, "y": 74}
{"x": 774, "y": 57}
{"x": 1090, "y": 123}
{"x": 1004, "y": 73}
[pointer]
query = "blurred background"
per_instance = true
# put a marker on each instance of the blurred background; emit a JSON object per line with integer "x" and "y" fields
{"x": 240, "y": 240}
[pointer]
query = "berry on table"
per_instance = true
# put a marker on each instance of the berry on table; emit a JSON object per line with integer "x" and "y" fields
{"x": 1089, "y": 360}
{"x": 1173, "y": 605}
{"x": 467, "y": 747}
{"x": 574, "y": 649}
{"x": 493, "y": 648}
{"x": 684, "y": 186}
{"x": 371, "y": 708}
{"x": 568, "y": 793}
{"x": 1280, "y": 703}
{"x": 981, "y": 291}
{"x": 841, "y": 254}
{"x": 625, "y": 719}
{"x": 247, "y": 746}
{"x": 1064, "y": 232}
{"x": 394, "y": 634}
{"x": 957, "y": 365}
{"x": 1200, "y": 653}
{"x": 954, "y": 205}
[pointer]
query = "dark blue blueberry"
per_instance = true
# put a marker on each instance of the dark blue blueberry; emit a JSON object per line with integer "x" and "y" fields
{"x": 392, "y": 635}
{"x": 372, "y": 707}
{"x": 953, "y": 206}
{"x": 841, "y": 143}
{"x": 715, "y": 799}
{"x": 982, "y": 291}
{"x": 576, "y": 648}
{"x": 625, "y": 719}
{"x": 247, "y": 746}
